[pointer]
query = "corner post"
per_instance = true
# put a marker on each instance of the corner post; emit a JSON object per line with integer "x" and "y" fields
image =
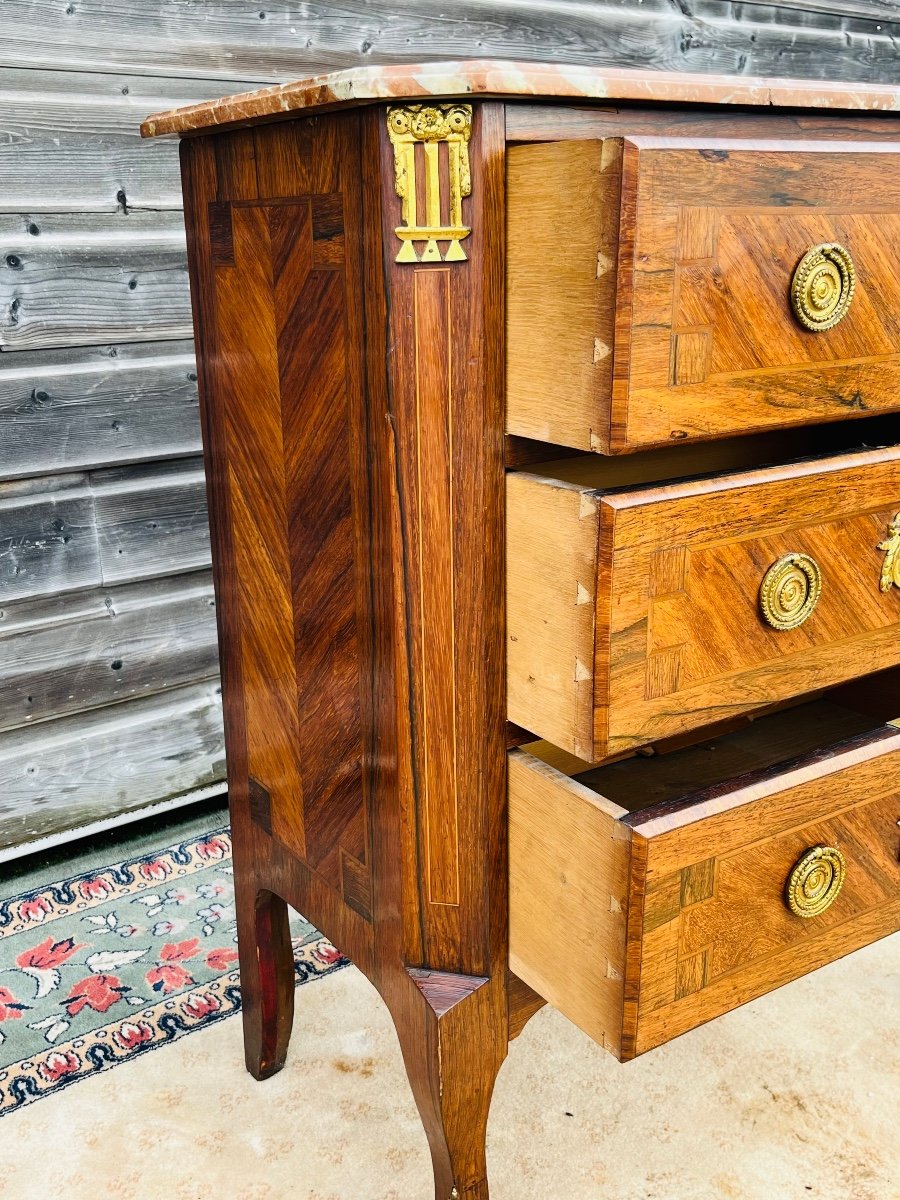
{"x": 442, "y": 242}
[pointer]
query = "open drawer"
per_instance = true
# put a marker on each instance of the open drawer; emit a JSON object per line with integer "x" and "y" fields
{"x": 642, "y": 905}
{"x": 637, "y": 614}
{"x": 664, "y": 289}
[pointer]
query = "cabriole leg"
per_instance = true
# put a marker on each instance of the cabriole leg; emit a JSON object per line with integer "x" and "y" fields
{"x": 454, "y": 1045}
{"x": 267, "y": 976}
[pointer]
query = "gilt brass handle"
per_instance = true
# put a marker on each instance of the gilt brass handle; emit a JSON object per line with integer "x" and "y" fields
{"x": 890, "y": 568}
{"x": 822, "y": 287}
{"x": 790, "y": 591}
{"x": 815, "y": 882}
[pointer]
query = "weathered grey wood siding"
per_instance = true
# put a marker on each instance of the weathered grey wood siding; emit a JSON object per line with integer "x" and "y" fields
{"x": 108, "y": 684}
{"x": 227, "y": 39}
{"x": 109, "y": 700}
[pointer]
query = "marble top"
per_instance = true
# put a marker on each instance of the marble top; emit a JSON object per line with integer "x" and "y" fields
{"x": 365, "y": 85}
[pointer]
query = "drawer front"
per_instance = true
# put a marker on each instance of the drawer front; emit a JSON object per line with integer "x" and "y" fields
{"x": 650, "y": 299}
{"x": 637, "y": 616}
{"x": 642, "y": 927}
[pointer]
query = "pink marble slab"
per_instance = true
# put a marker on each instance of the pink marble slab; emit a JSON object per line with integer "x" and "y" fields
{"x": 510, "y": 79}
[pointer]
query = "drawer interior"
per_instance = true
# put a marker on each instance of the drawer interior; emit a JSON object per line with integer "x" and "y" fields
{"x": 695, "y": 460}
{"x": 643, "y": 781}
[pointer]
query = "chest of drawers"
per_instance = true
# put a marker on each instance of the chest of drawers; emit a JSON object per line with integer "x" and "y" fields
{"x": 551, "y": 428}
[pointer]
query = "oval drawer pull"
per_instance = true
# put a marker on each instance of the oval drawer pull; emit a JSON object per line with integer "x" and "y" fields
{"x": 822, "y": 287}
{"x": 815, "y": 882}
{"x": 790, "y": 591}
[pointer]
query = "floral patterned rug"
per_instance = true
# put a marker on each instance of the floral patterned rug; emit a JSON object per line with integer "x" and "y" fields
{"x": 112, "y": 963}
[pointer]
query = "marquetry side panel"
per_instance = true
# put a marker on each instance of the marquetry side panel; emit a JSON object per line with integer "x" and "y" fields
{"x": 446, "y": 401}
{"x": 282, "y": 229}
{"x": 249, "y": 386}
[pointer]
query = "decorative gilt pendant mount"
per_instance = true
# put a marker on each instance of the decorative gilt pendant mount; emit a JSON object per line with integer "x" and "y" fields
{"x": 431, "y": 177}
{"x": 890, "y": 571}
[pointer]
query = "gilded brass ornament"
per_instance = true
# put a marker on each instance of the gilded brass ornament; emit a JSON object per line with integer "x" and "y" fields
{"x": 790, "y": 591}
{"x": 815, "y": 882}
{"x": 823, "y": 286}
{"x": 417, "y": 132}
{"x": 890, "y": 571}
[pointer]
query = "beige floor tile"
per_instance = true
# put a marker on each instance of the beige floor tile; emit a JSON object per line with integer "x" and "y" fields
{"x": 794, "y": 1097}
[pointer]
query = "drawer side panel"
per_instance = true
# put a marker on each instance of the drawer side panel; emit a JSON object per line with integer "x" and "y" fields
{"x": 562, "y": 251}
{"x": 569, "y": 858}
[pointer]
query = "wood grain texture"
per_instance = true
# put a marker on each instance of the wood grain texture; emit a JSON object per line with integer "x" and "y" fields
{"x": 551, "y": 553}
{"x": 75, "y": 280}
{"x": 528, "y": 121}
{"x": 446, "y": 396}
{"x": 75, "y": 81}
{"x": 285, "y": 408}
{"x": 74, "y": 408}
{"x": 828, "y": 41}
{"x": 349, "y": 564}
{"x": 562, "y": 253}
{"x": 353, "y": 433}
{"x": 73, "y": 141}
{"x": 74, "y": 652}
{"x": 216, "y": 179}
{"x": 698, "y": 876}
{"x": 268, "y": 981}
{"x": 445, "y": 405}
{"x": 700, "y": 340}
{"x": 523, "y": 1004}
{"x": 103, "y": 527}
{"x": 569, "y": 858}
{"x": 112, "y": 760}
{"x": 71, "y": 147}
{"x": 679, "y": 640}
{"x": 706, "y": 949}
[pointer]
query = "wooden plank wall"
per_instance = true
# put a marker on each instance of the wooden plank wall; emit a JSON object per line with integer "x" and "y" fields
{"x": 108, "y": 669}
{"x": 109, "y": 698}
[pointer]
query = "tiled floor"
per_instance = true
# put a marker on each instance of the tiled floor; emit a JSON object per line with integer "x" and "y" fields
{"x": 795, "y": 1096}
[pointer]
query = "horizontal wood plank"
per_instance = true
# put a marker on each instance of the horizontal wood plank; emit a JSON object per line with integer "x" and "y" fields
{"x": 151, "y": 520}
{"x": 48, "y": 539}
{"x": 67, "y": 654}
{"x": 74, "y": 408}
{"x": 74, "y": 279}
{"x": 72, "y": 144}
{"x": 878, "y": 10}
{"x": 103, "y": 527}
{"x": 116, "y": 759}
{"x": 278, "y": 41}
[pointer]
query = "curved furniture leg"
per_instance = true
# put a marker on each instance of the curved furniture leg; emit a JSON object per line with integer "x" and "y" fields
{"x": 453, "y": 1046}
{"x": 267, "y": 976}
